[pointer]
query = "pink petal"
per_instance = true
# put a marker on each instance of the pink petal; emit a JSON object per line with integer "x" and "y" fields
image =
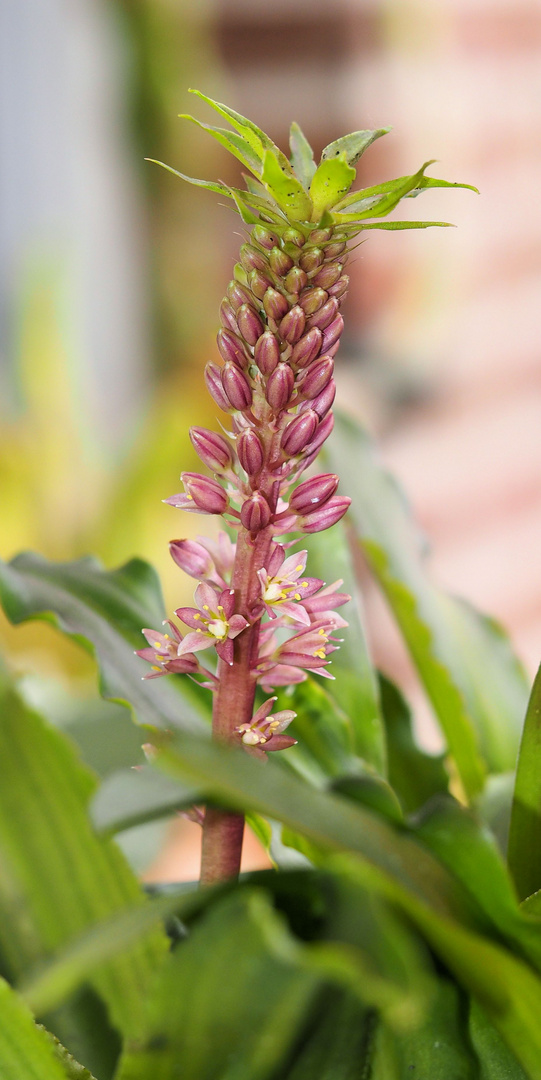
{"x": 279, "y": 742}
{"x": 293, "y": 566}
{"x": 308, "y": 586}
{"x": 155, "y": 638}
{"x": 194, "y": 642}
{"x": 182, "y": 502}
{"x": 237, "y": 624}
{"x": 174, "y": 629}
{"x": 274, "y": 562}
{"x": 263, "y": 710}
{"x": 149, "y": 654}
{"x": 189, "y": 615}
{"x": 226, "y": 600}
{"x": 205, "y": 596}
{"x": 225, "y": 650}
{"x": 295, "y": 611}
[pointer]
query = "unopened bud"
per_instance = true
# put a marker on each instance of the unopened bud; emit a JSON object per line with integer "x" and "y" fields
{"x": 321, "y": 436}
{"x": 312, "y": 300}
{"x": 212, "y": 448}
{"x": 332, "y": 333}
{"x": 267, "y": 353}
{"x": 295, "y": 280}
{"x": 328, "y": 275}
{"x": 292, "y": 325}
{"x": 320, "y": 236}
{"x": 326, "y": 314}
{"x": 259, "y": 283}
{"x": 324, "y": 401}
{"x": 307, "y": 348}
{"x": 255, "y": 513}
{"x": 227, "y": 317}
{"x": 237, "y": 295}
{"x": 192, "y": 557}
{"x": 232, "y": 348}
{"x": 250, "y": 324}
{"x": 311, "y": 259}
{"x": 275, "y": 304}
{"x": 340, "y": 287}
{"x": 237, "y": 388}
{"x": 294, "y": 236}
{"x": 280, "y": 387}
{"x": 213, "y": 379}
{"x": 280, "y": 261}
{"x": 332, "y": 251}
{"x": 316, "y": 378}
{"x": 253, "y": 259}
{"x": 299, "y": 432}
{"x": 326, "y": 515}
{"x": 313, "y": 493}
{"x": 250, "y": 452}
{"x": 264, "y": 237}
{"x": 207, "y": 494}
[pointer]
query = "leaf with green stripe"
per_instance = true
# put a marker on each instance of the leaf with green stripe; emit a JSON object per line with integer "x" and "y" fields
{"x": 475, "y": 684}
{"x": 25, "y": 1050}
{"x": 105, "y": 610}
{"x": 57, "y": 878}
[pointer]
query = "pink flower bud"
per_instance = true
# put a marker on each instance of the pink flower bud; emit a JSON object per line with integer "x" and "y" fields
{"x": 252, "y": 259}
{"x": 313, "y": 493}
{"x": 322, "y": 434}
{"x": 192, "y": 557}
{"x": 232, "y": 348}
{"x": 275, "y": 304}
{"x": 326, "y": 515}
{"x": 227, "y": 317}
{"x": 295, "y": 280}
{"x": 316, "y": 377}
{"x": 280, "y": 387}
{"x": 212, "y": 448}
{"x": 267, "y": 353}
{"x": 328, "y": 275}
{"x": 332, "y": 251}
{"x": 250, "y": 452}
{"x": 207, "y": 494}
{"x": 324, "y": 401}
{"x": 307, "y": 348}
{"x": 237, "y": 388}
{"x": 299, "y": 432}
{"x": 312, "y": 300}
{"x": 294, "y": 236}
{"x": 264, "y": 237}
{"x": 326, "y": 314}
{"x": 340, "y": 287}
{"x": 255, "y": 513}
{"x": 259, "y": 283}
{"x": 311, "y": 259}
{"x": 213, "y": 379}
{"x": 292, "y": 325}
{"x": 332, "y": 333}
{"x": 280, "y": 262}
{"x": 320, "y": 236}
{"x": 237, "y": 294}
{"x": 250, "y": 324}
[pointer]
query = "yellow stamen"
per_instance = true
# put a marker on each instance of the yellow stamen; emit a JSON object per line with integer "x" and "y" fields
{"x": 154, "y": 668}
{"x": 297, "y": 596}
{"x": 299, "y": 568}
{"x": 206, "y": 607}
{"x": 320, "y": 653}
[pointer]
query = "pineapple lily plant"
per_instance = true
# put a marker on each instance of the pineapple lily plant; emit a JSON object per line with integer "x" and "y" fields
{"x": 399, "y": 932}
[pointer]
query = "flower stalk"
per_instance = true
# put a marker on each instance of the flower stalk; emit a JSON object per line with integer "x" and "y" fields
{"x": 280, "y": 331}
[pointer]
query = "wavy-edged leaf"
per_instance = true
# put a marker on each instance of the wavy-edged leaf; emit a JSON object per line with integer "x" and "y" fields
{"x": 286, "y": 189}
{"x": 25, "y": 1050}
{"x": 353, "y": 146}
{"x": 439, "y": 1049}
{"x": 475, "y": 684}
{"x": 56, "y": 876}
{"x": 302, "y": 156}
{"x": 71, "y": 1067}
{"x": 355, "y": 686}
{"x": 331, "y": 180}
{"x": 105, "y": 610}
{"x": 495, "y": 1061}
{"x": 524, "y": 850}
{"x": 131, "y": 797}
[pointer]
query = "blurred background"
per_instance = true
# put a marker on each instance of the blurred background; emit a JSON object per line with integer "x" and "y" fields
{"x": 111, "y": 274}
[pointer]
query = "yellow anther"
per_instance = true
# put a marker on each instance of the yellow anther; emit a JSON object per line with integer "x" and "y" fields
{"x": 299, "y": 568}
{"x": 320, "y": 653}
{"x": 197, "y": 616}
{"x": 166, "y": 635}
{"x": 322, "y": 632}
{"x": 154, "y": 668}
{"x": 297, "y": 596}
{"x": 304, "y": 584}
{"x": 206, "y": 607}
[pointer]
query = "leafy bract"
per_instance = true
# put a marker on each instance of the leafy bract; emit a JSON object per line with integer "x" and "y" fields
{"x": 475, "y": 684}
{"x": 331, "y": 180}
{"x": 286, "y": 190}
{"x": 56, "y": 876}
{"x": 352, "y": 146}
{"x": 105, "y": 610}
{"x": 302, "y": 157}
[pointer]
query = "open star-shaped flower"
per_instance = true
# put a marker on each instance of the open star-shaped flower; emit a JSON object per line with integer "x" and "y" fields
{"x": 214, "y": 622}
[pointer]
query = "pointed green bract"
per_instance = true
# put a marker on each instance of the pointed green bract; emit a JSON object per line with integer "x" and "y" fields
{"x": 352, "y": 146}
{"x": 211, "y": 185}
{"x": 331, "y": 181}
{"x": 236, "y": 145}
{"x": 257, "y": 138}
{"x": 286, "y": 190}
{"x": 302, "y": 157}
{"x": 387, "y": 186}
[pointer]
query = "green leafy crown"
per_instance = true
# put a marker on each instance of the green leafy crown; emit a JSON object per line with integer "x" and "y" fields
{"x": 301, "y": 192}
